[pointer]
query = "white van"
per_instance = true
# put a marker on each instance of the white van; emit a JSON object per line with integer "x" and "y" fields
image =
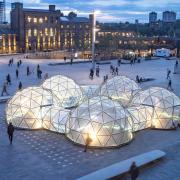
{"x": 162, "y": 52}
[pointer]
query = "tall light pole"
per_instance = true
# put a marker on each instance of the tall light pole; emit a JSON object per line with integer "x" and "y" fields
{"x": 93, "y": 38}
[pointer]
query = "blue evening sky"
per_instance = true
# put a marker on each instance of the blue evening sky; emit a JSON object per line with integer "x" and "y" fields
{"x": 109, "y": 10}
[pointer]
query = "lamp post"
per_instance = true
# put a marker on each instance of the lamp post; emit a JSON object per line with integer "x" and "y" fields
{"x": 93, "y": 38}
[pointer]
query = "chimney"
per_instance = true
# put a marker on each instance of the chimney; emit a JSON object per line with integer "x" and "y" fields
{"x": 52, "y": 7}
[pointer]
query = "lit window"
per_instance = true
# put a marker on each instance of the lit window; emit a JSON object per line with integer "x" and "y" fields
{"x": 40, "y": 32}
{"x": 46, "y": 19}
{"x": 40, "y": 20}
{"x": 29, "y": 19}
{"x": 46, "y": 31}
{"x": 51, "y": 32}
{"x": 35, "y": 32}
{"x": 35, "y": 20}
{"x": 29, "y": 32}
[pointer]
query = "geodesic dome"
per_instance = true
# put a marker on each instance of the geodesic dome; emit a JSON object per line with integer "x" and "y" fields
{"x": 103, "y": 120}
{"x": 90, "y": 91}
{"x": 55, "y": 118}
{"x": 141, "y": 117}
{"x": 120, "y": 88}
{"x": 165, "y": 103}
{"x": 24, "y": 109}
{"x": 65, "y": 89}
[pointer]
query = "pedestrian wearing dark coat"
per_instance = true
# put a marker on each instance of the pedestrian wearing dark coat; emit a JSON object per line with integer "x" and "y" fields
{"x": 10, "y": 131}
{"x": 134, "y": 171}
{"x": 17, "y": 73}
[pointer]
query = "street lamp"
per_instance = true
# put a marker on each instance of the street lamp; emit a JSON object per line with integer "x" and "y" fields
{"x": 93, "y": 38}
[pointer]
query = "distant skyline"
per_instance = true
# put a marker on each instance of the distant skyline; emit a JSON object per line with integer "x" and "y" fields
{"x": 109, "y": 10}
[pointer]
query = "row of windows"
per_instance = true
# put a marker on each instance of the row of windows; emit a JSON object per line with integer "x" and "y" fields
{"x": 50, "y": 32}
{"x": 42, "y": 20}
{"x": 116, "y": 34}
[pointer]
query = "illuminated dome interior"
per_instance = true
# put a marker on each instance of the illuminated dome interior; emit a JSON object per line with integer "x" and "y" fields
{"x": 107, "y": 114}
{"x": 120, "y": 88}
{"x": 24, "y": 110}
{"x": 165, "y": 103}
{"x": 65, "y": 89}
{"x": 103, "y": 120}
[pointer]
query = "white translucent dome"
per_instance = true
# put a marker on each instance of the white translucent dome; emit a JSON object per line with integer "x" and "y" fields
{"x": 103, "y": 120}
{"x": 141, "y": 117}
{"x": 65, "y": 89}
{"x": 120, "y": 88}
{"x": 24, "y": 109}
{"x": 55, "y": 119}
{"x": 165, "y": 103}
{"x": 90, "y": 91}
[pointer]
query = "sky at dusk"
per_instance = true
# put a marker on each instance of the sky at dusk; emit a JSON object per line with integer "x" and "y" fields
{"x": 108, "y": 10}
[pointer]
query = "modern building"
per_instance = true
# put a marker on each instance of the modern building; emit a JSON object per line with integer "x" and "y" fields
{"x": 169, "y": 17}
{"x": 46, "y": 30}
{"x": 152, "y": 17}
{"x": 2, "y": 12}
{"x": 8, "y": 43}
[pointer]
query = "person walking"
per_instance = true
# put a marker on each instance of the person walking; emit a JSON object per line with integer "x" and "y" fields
{"x": 38, "y": 67}
{"x": 119, "y": 62}
{"x": 10, "y": 131}
{"x": 71, "y": 61}
{"x": 117, "y": 71}
{"x": 88, "y": 141}
{"x": 97, "y": 71}
{"x": 8, "y": 78}
{"x": 134, "y": 171}
{"x": 170, "y": 85}
{"x": 17, "y": 73}
{"x": 20, "y": 85}
{"x": 27, "y": 71}
{"x": 64, "y": 58}
{"x": 18, "y": 64}
{"x": 168, "y": 73}
{"x": 4, "y": 89}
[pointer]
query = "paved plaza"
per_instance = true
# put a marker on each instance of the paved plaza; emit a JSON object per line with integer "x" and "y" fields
{"x": 41, "y": 155}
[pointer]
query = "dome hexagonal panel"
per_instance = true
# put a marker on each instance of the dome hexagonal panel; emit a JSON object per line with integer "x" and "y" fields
{"x": 103, "y": 120}
{"x": 90, "y": 91}
{"x": 55, "y": 119}
{"x": 24, "y": 109}
{"x": 120, "y": 88}
{"x": 141, "y": 117}
{"x": 165, "y": 103}
{"x": 65, "y": 89}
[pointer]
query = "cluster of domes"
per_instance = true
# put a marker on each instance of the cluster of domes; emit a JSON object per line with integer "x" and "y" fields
{"x": 109, "y": 114}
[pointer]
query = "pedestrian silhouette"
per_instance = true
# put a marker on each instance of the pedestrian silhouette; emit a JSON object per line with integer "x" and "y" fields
{"x": 134, "y": 171}
{"x": 10, "y": 131}
{"x": 88, "y": 141}
{"x": 4, "y": 89}
{"x": 17, "y": 73}
{"x": 20, "y": 85}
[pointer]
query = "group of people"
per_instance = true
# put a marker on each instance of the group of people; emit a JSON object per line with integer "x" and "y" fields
{"x": 71, "y": 59}
{"x": 114, "y": 70}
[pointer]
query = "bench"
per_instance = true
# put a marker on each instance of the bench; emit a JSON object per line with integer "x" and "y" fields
{"x": 124, "y": 166}
{"x": 4, "y": 98}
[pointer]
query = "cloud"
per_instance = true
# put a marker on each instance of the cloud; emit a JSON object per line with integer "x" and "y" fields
{"x": 111, "y": 10}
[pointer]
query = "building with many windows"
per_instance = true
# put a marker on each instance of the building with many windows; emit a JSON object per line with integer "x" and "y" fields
{"x": 169, "y": 17}
{"x": 45, "y": 30}
{"x": 152, "y": 17}
{"x": 8, "y": 43}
